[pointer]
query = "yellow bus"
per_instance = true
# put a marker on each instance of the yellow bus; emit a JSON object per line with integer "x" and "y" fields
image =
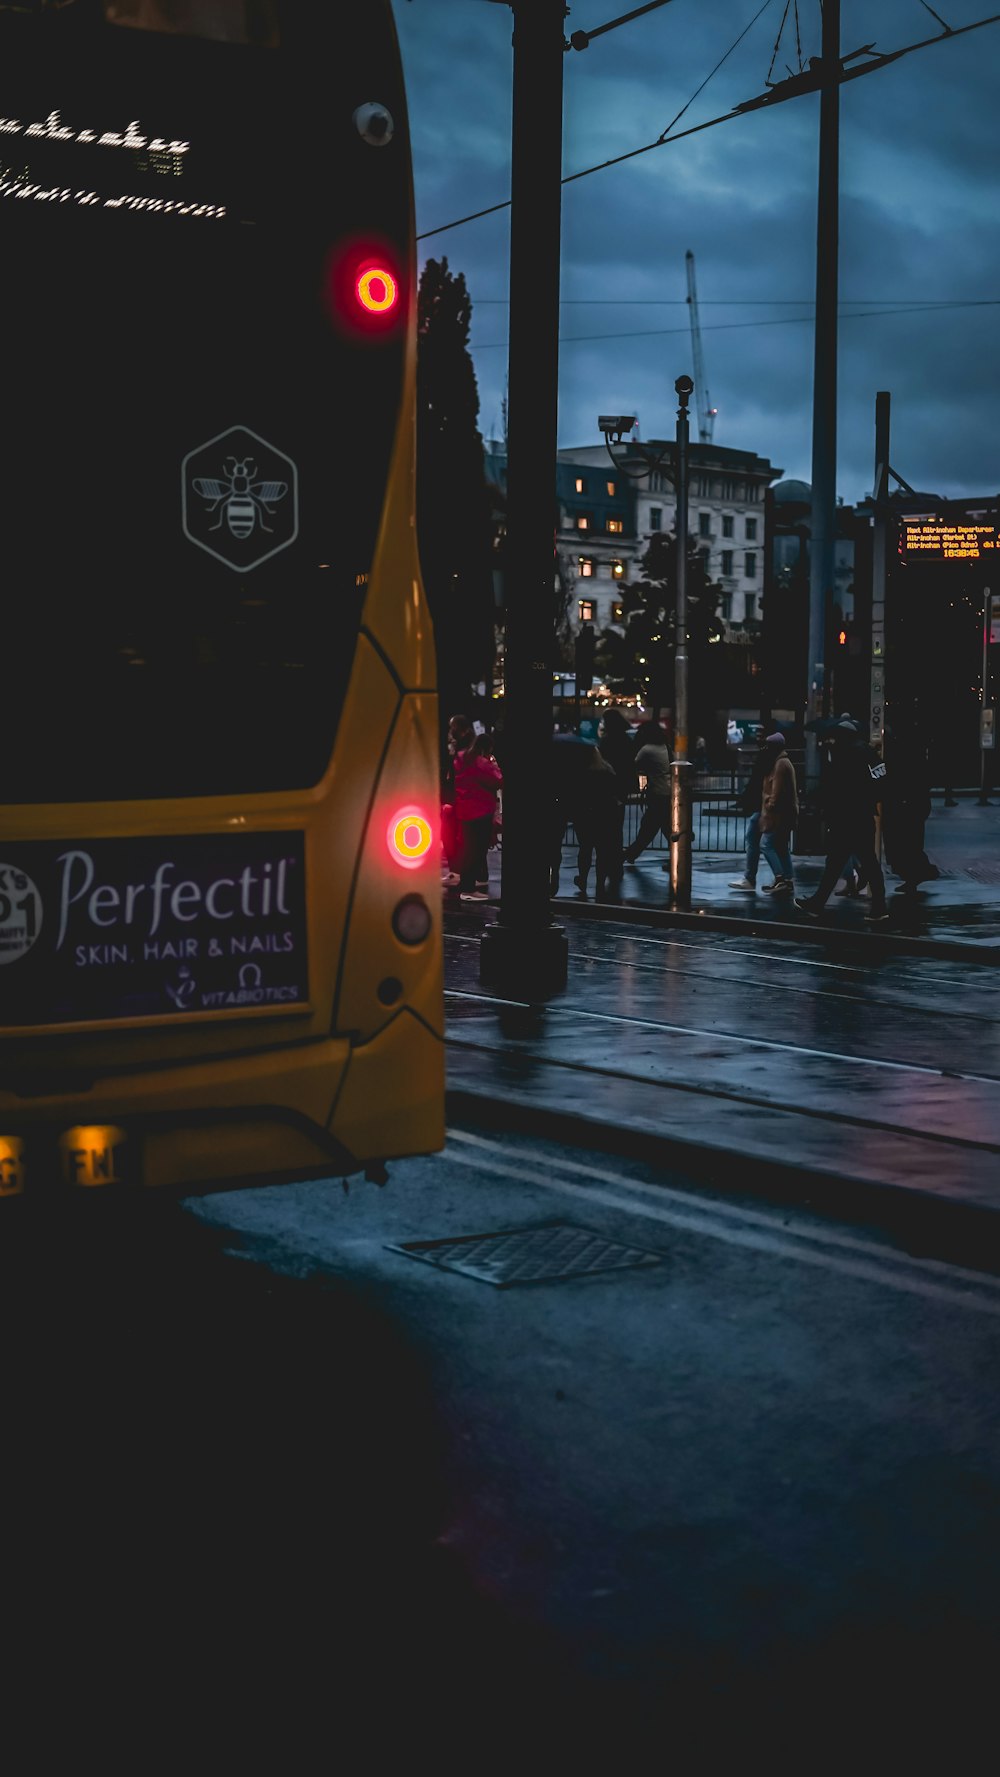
{"x": 220, "y": 922}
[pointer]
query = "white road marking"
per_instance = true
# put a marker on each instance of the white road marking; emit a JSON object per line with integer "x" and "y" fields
{"x": 702, "y": 946}
{"x": 857, "y": 996}
{"x": 718, "y": 1222}
{"x": 728, "y": 1036}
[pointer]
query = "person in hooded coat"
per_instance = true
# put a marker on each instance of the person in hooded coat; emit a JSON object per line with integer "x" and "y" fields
{"x": 854, "y": 788}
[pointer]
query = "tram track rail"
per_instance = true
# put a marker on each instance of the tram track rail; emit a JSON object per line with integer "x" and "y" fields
{"x": 870, "y": 944}
{"x": 719, "y": 974}
{"x": 734, "y": 1094}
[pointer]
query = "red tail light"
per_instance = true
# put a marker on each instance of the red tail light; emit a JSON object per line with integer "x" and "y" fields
{"x": 365, "y": 291}
{"x": 410, "y": 837}
{"x": 377, "y": 290}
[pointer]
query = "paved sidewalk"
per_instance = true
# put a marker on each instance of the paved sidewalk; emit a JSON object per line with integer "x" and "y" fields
{"x": 961, "y": 908}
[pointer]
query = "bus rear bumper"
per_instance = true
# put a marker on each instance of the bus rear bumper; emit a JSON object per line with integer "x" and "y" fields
{"x": 212, "y": 1125}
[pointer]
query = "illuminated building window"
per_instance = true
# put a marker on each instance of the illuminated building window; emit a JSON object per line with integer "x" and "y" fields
{"x": 727, "y": 561}
{"x": 704, "y": 524}
{"x": 586, "y": 567}
{"x": 617, "y": 570}
{"x": 751, "y": 565}
{"x": 751, "y": 530}
{"x": 611, "y": 487}
{"x": 727, "y": 525}
{"x": 617, "y": 525}
{"x": 586, "y": 608}
{"x": 583, "y": 522}
{"x": 580, "y": 485}
{"x": 655, "y": 517}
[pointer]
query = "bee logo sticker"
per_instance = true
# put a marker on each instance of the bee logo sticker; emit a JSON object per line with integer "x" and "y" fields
{"x": 20, "y": 913}
{"x": 240, "y": 498}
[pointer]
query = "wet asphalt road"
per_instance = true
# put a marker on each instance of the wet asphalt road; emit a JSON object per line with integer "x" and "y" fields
{"x": 749, "y": 1485}
{"x": 276, "y": 1474}
{"x": 280, "y": 1486}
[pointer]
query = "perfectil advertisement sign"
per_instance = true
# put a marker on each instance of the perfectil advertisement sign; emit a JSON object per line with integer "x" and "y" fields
{"x": 139, "y": 928}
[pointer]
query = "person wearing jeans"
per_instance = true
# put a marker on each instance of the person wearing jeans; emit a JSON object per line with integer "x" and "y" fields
{"x": 748, "y": 881}
{"x": 748, "y": 802}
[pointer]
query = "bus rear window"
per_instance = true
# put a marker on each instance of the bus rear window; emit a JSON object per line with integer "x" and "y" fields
{"x": 226, "y": 21}
{"x": 188, "y": 510}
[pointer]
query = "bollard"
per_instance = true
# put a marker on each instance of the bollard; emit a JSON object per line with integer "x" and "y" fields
{"x": 680, "y": 833}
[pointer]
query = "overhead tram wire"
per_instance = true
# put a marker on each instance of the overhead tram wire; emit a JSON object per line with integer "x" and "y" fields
{"x": 917, "y": 308}
{"x": 586, "y": 36}
{"x": 762, "y": 102}
{"x": 581, "y": 39}
{"x": 700, "y": 89}
{"x": 746, "y": 302}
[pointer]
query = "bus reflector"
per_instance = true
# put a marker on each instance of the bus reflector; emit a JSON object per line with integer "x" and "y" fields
{"x": 89, "y": 1154}
{"x": 12, "y": 1167}
{"x": 409, "y": 836}
{"x": 377, "y": 290}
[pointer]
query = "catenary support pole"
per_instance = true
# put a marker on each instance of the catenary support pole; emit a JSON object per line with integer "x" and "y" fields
{"x": 525, "y": 950}
{"x": 823, "y": 526}
{"x": 680, "y": 770}
{"x": 880, "y": 562}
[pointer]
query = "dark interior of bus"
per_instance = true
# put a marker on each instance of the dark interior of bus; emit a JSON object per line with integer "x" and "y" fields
{"x": 197, "y": 427}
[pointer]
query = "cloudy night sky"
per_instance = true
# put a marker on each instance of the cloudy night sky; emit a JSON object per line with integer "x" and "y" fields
{"x": 920, "y": 163}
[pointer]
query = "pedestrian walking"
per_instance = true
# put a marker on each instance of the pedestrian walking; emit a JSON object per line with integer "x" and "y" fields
{"x": 853, "y": 790}
{"x": 907, "y": 805}
{"x": 459, "y": 735}
{"x": 477, "y": 780}
{"x": 749, "y": 802}
{"x": 618, "y": 749}
{"x": 595, "y": 816}
{"x": 652, "y": 761}
{"x": 569, "y": 759}
{"x": 779, "y": 812}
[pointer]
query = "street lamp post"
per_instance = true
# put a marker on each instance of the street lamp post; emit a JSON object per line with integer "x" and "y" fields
{"x": 614, "y": 427}
{"x": 680, "y": 770}
{"x": 525, "y": 951}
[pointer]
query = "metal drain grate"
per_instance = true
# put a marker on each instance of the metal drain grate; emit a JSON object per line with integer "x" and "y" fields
{"x": 546, "y": 1254}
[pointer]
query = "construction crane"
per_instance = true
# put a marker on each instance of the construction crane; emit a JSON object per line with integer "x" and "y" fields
{"x": 706, "y": 412}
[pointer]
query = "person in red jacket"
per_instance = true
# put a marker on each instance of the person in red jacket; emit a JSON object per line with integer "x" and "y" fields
{"x": 477, "y": 779}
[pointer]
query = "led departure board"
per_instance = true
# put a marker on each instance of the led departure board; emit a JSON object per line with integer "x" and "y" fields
{"x": 942, "y": 540}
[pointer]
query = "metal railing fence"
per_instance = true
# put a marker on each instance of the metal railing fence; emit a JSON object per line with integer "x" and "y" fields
{"x": 717, "y": 826}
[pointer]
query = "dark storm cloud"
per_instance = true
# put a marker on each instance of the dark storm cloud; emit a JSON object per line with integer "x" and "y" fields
{"x": 919, "y": 158}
